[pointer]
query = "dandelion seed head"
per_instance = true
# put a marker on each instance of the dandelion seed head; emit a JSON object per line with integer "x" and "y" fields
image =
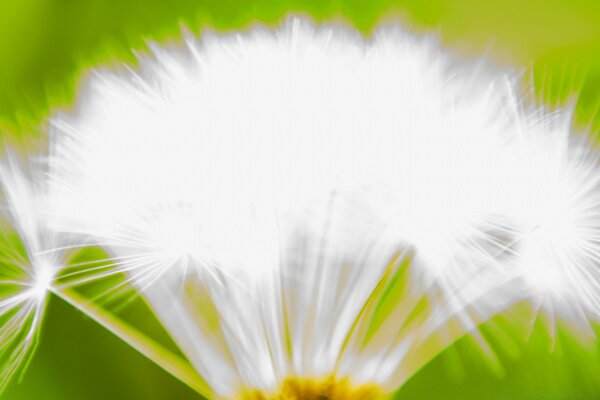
{"x": 265, "y": 189}
{"x": 558, "y": 202}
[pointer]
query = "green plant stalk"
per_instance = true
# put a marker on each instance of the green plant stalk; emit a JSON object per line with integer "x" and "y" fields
{"x": 149, "y": 348}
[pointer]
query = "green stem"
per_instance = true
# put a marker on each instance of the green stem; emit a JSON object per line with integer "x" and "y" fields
{"x": 149, "y": 348}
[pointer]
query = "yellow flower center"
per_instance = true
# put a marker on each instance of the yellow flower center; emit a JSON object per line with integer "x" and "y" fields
{"x": 329, "y": 388}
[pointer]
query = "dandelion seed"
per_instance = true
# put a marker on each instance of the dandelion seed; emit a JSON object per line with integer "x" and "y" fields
{"x": 27, "y": 275}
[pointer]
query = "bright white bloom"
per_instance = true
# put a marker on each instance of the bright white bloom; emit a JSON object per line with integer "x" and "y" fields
{"x": 26, "y": 270}
{"x": 557, "y": 208}
{"x": 285, "y": 200}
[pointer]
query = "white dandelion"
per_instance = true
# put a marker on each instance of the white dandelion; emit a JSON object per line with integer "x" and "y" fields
{"x": 306, "y": 211}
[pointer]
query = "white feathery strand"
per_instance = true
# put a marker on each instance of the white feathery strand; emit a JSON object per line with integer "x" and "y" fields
{"x": 26, "y": 273}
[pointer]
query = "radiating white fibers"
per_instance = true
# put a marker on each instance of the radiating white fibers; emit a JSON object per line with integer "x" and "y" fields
{"x": 266, "y": 191}
{"x": 27, "y": 271}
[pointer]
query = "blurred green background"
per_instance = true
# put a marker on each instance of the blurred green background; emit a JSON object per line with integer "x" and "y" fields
{"x": 47, "y": 45}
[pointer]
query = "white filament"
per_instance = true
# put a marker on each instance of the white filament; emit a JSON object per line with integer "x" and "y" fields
{"x": 28, "y": 272}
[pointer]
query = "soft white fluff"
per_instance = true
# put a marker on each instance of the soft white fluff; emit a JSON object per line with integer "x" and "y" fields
{"x": 273, "y": 177}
